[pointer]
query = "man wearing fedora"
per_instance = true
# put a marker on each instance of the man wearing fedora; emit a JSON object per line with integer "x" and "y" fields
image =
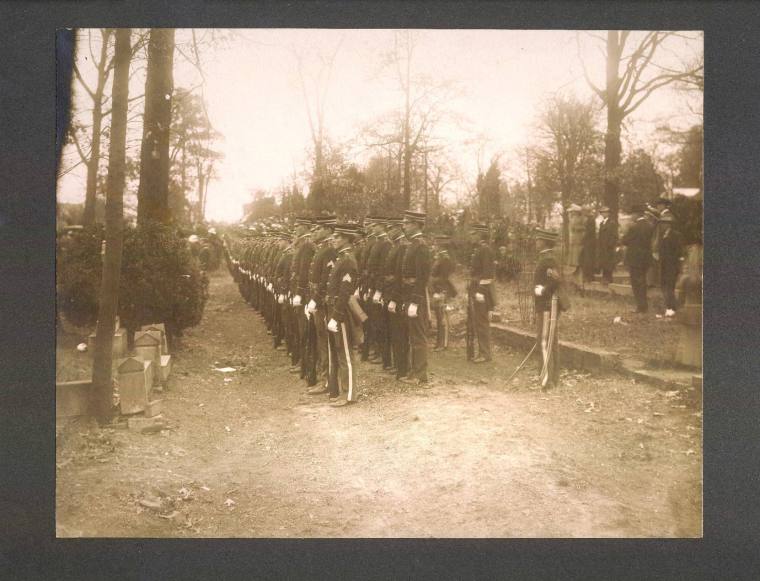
{"x": 670, "y": 249}
{"x": 416, "y": 267}
{"x": 638, "y": 255}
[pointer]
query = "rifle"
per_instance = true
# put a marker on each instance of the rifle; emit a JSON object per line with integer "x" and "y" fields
{"x": 470, "y": 330}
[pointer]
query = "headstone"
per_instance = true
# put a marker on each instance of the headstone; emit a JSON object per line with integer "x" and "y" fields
{"x": 148, "y": 348}
{"x": 135, "y": 382}
{"x": 160, "y": 328}
{"x": 72, "y": 398}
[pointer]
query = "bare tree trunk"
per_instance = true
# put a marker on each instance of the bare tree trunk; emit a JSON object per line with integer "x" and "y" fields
{"x": 88, "y": 217}
{"x": 153, "y": 192}
{"x": 102, "y": 383}
{"x": 612, "y": 146}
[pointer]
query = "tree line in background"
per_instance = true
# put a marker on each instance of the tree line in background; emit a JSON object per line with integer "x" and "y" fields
{"x": 573, "y": 157}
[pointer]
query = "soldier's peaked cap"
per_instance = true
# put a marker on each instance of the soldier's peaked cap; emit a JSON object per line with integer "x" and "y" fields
{"x": 394, "y": 221}
{"x": 479, "y": 228}
{"x": 303, "y": 221}
{"x": 347, "y": 229}
{"x": 541, "y": 234}
{"x": 412, "y": 216}
{"x": 326, "y": 220}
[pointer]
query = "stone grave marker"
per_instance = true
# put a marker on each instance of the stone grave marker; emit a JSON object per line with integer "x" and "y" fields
{"x": 135, "y": 382}
{"x": 148, "y": 348}
{"x": 160, "y": 328}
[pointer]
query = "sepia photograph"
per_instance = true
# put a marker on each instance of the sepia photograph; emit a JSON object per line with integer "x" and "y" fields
{"x": 379, "y": 283}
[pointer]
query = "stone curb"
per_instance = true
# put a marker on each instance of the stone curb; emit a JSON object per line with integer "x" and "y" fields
{"x": 587, "y": 358}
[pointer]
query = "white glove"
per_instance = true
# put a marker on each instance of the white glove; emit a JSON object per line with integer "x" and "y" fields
{"x": 307, "y": 312}
{"x": 392, "y": 307}
{"x": 269, "y": 287}
{"x": 297, "y": 301}
{"x": 332, "y": 326}
{"x": 312, "y": 306}
{"x": 437, "y": 296}
{"x": 480, "y": 297}
{"x": 412, "y": 310}
{"x": 281, "y": 299}
{"x": 290, "y": 301}
{"x": 376, "y": 297}
{"x": 539, "y": 290}
{"x": 356, "y": 292}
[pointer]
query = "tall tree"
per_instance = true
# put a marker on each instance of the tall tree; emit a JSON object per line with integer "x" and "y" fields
{"x": 104, "y": 65}
{"x": 489, "y": 192}
{"x": 625, "y": 91}
{"x": 315, "y": 113}
{"x": 102, "y": 392}
{"x": 567, "y": 128}
{"x": 153, "y": 191}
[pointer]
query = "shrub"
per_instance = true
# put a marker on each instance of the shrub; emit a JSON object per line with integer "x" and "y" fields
{"x": 160, "y": 280}
{"x": 78, "y": 270}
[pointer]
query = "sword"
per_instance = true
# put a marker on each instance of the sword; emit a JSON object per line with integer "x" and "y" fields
{"x": 524, "y": 361}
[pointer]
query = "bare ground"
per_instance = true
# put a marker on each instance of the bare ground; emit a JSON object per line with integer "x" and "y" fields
{"x": 467, "y": 457}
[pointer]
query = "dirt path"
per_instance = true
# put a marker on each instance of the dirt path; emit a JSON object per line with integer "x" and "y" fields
{"x": 467, "y": 457}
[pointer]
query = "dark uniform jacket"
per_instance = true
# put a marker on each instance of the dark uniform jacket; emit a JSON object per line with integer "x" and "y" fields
{"x": 638, "y": 242}
{"x": 546, "y": 275}
{"x": 671, "y": 251}
{"x": 376, "y": 264}
{"x": 443, "y": 268}
{"x": 341, "y": 285}
{"x": 482, "y": 268}
{"x": 398, "y": 276}
{"x": 301, "y": 264}
{"x": 321, "y": 264}
{"x": 607, "y": 244}
{"x": 415, "y": 269}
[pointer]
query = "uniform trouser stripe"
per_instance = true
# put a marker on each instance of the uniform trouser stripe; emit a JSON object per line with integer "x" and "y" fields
{"x": 348, "y": 362}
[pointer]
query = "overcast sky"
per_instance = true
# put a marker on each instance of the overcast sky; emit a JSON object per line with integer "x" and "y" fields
{"x": 502, "y": 77}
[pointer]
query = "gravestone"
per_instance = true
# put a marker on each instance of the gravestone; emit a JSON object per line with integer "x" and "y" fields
{"x": 135, "y": 382}
{"x": 148, "y": 348}
{"x": 160, "y": 328}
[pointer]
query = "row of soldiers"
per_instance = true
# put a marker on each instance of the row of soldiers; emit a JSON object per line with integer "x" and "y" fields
{"x": 330, "y": 293}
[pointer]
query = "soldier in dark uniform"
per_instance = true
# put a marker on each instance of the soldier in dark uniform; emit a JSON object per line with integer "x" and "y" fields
{"x": 398, "y": 336}
{"x": 280, "y": 286}
{"x": 608, "y": 240}
{"x": 443, "y": 290}
{"x": 416, "y": 266}
{"x": 638, "y": 256}
{"x": 375, "y": 302}
{"x": 321, "y": 265}
{"x": 342, "y": 284}
{"x": 671, "y": 254}
{"x": 480, "y": 290}
{"x": 299, "y": 289}
{"x": 367, "y": 244}
{"x": 547, "y": 279}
